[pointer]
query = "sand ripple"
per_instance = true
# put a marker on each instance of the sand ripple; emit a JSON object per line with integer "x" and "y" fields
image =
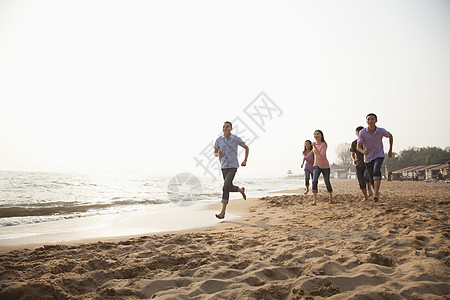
{"x": 283, "y": 249}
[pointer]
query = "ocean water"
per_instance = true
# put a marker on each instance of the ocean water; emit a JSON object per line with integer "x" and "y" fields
{"x": 30, "y": 198}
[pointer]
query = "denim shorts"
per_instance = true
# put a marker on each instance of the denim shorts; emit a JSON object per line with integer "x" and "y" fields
{"x": 326, "y": 178}
{"x": 374, "y": 168}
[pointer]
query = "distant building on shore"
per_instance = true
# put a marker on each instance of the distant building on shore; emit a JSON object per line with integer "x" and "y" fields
{"x": 424, "y": 172}
{"x": 291, "y": 175}
{"x": 352, "y": 175}
{"x": 338, "y": 172}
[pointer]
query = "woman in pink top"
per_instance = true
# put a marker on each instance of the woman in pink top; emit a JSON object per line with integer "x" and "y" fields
{"x": 321, "y": 165}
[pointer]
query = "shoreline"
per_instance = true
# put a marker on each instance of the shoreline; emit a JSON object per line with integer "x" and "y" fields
{"x": 126, "y": 225}
{"x": 173, "y": 220}
{"x": 280, "y": 248}
{"x": 114, "y": 227}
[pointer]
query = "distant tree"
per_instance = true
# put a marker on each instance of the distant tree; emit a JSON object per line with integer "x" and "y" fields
{"x": 393, "y": 163}
{"x": 344, "y": 158}
{"x": 414, "y": 156}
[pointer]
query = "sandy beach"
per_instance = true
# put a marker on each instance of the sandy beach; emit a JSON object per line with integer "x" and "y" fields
{"x": 280, "y": 248}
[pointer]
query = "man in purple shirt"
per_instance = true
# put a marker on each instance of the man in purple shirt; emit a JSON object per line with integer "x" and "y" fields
{"x": 371, "y": 145}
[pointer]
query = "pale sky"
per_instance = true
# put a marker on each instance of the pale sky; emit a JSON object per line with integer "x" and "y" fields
{"x": 146, "y": 85}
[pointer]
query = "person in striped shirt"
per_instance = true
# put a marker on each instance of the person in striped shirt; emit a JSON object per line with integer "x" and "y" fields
{"x": 321, "y": 165}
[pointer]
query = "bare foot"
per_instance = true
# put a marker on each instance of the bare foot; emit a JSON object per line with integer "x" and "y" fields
{"x": 314, "y": 203}
{"x": 364, "y": 199}
{"x": 242, "y": 191}
{"x": 307, "y": 190}
{"x": 370, "y": 193}
{"x": 218, "y": 216}
{"x": 376, "y": 197}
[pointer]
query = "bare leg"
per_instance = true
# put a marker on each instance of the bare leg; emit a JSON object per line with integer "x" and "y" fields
{"x": 242, "y": 191}
{"x": 369, "y": 188}
{"x": 222, "y": 213}
{"x": 307, "y": 190}
{"x": 364, "y": 191}
{"x": 376, "y": 188}
{"x": 331, "y": 198}
{"x": 315, "y": 199}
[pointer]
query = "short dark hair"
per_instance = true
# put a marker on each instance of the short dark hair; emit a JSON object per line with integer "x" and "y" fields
{"x": 359, "y": 128}
{"x": 372, "y": 114}
{"x": 231, "y": 125}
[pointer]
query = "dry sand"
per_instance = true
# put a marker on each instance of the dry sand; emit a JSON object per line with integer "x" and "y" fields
{"x": 283, "y": 248}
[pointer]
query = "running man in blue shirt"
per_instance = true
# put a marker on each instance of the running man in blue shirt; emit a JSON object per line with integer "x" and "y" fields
{"x": 226, "y": 148}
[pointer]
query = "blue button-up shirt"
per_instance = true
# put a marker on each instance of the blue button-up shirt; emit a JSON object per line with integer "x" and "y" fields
{"x": 229, "y": 148}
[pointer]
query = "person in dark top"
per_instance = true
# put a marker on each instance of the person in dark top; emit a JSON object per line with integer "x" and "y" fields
{"x": 361, "y": 173}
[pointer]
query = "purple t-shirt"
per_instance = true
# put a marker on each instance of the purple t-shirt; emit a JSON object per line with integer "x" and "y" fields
{"x": 309, "y": 165}
{"x": 373, "y": 142}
